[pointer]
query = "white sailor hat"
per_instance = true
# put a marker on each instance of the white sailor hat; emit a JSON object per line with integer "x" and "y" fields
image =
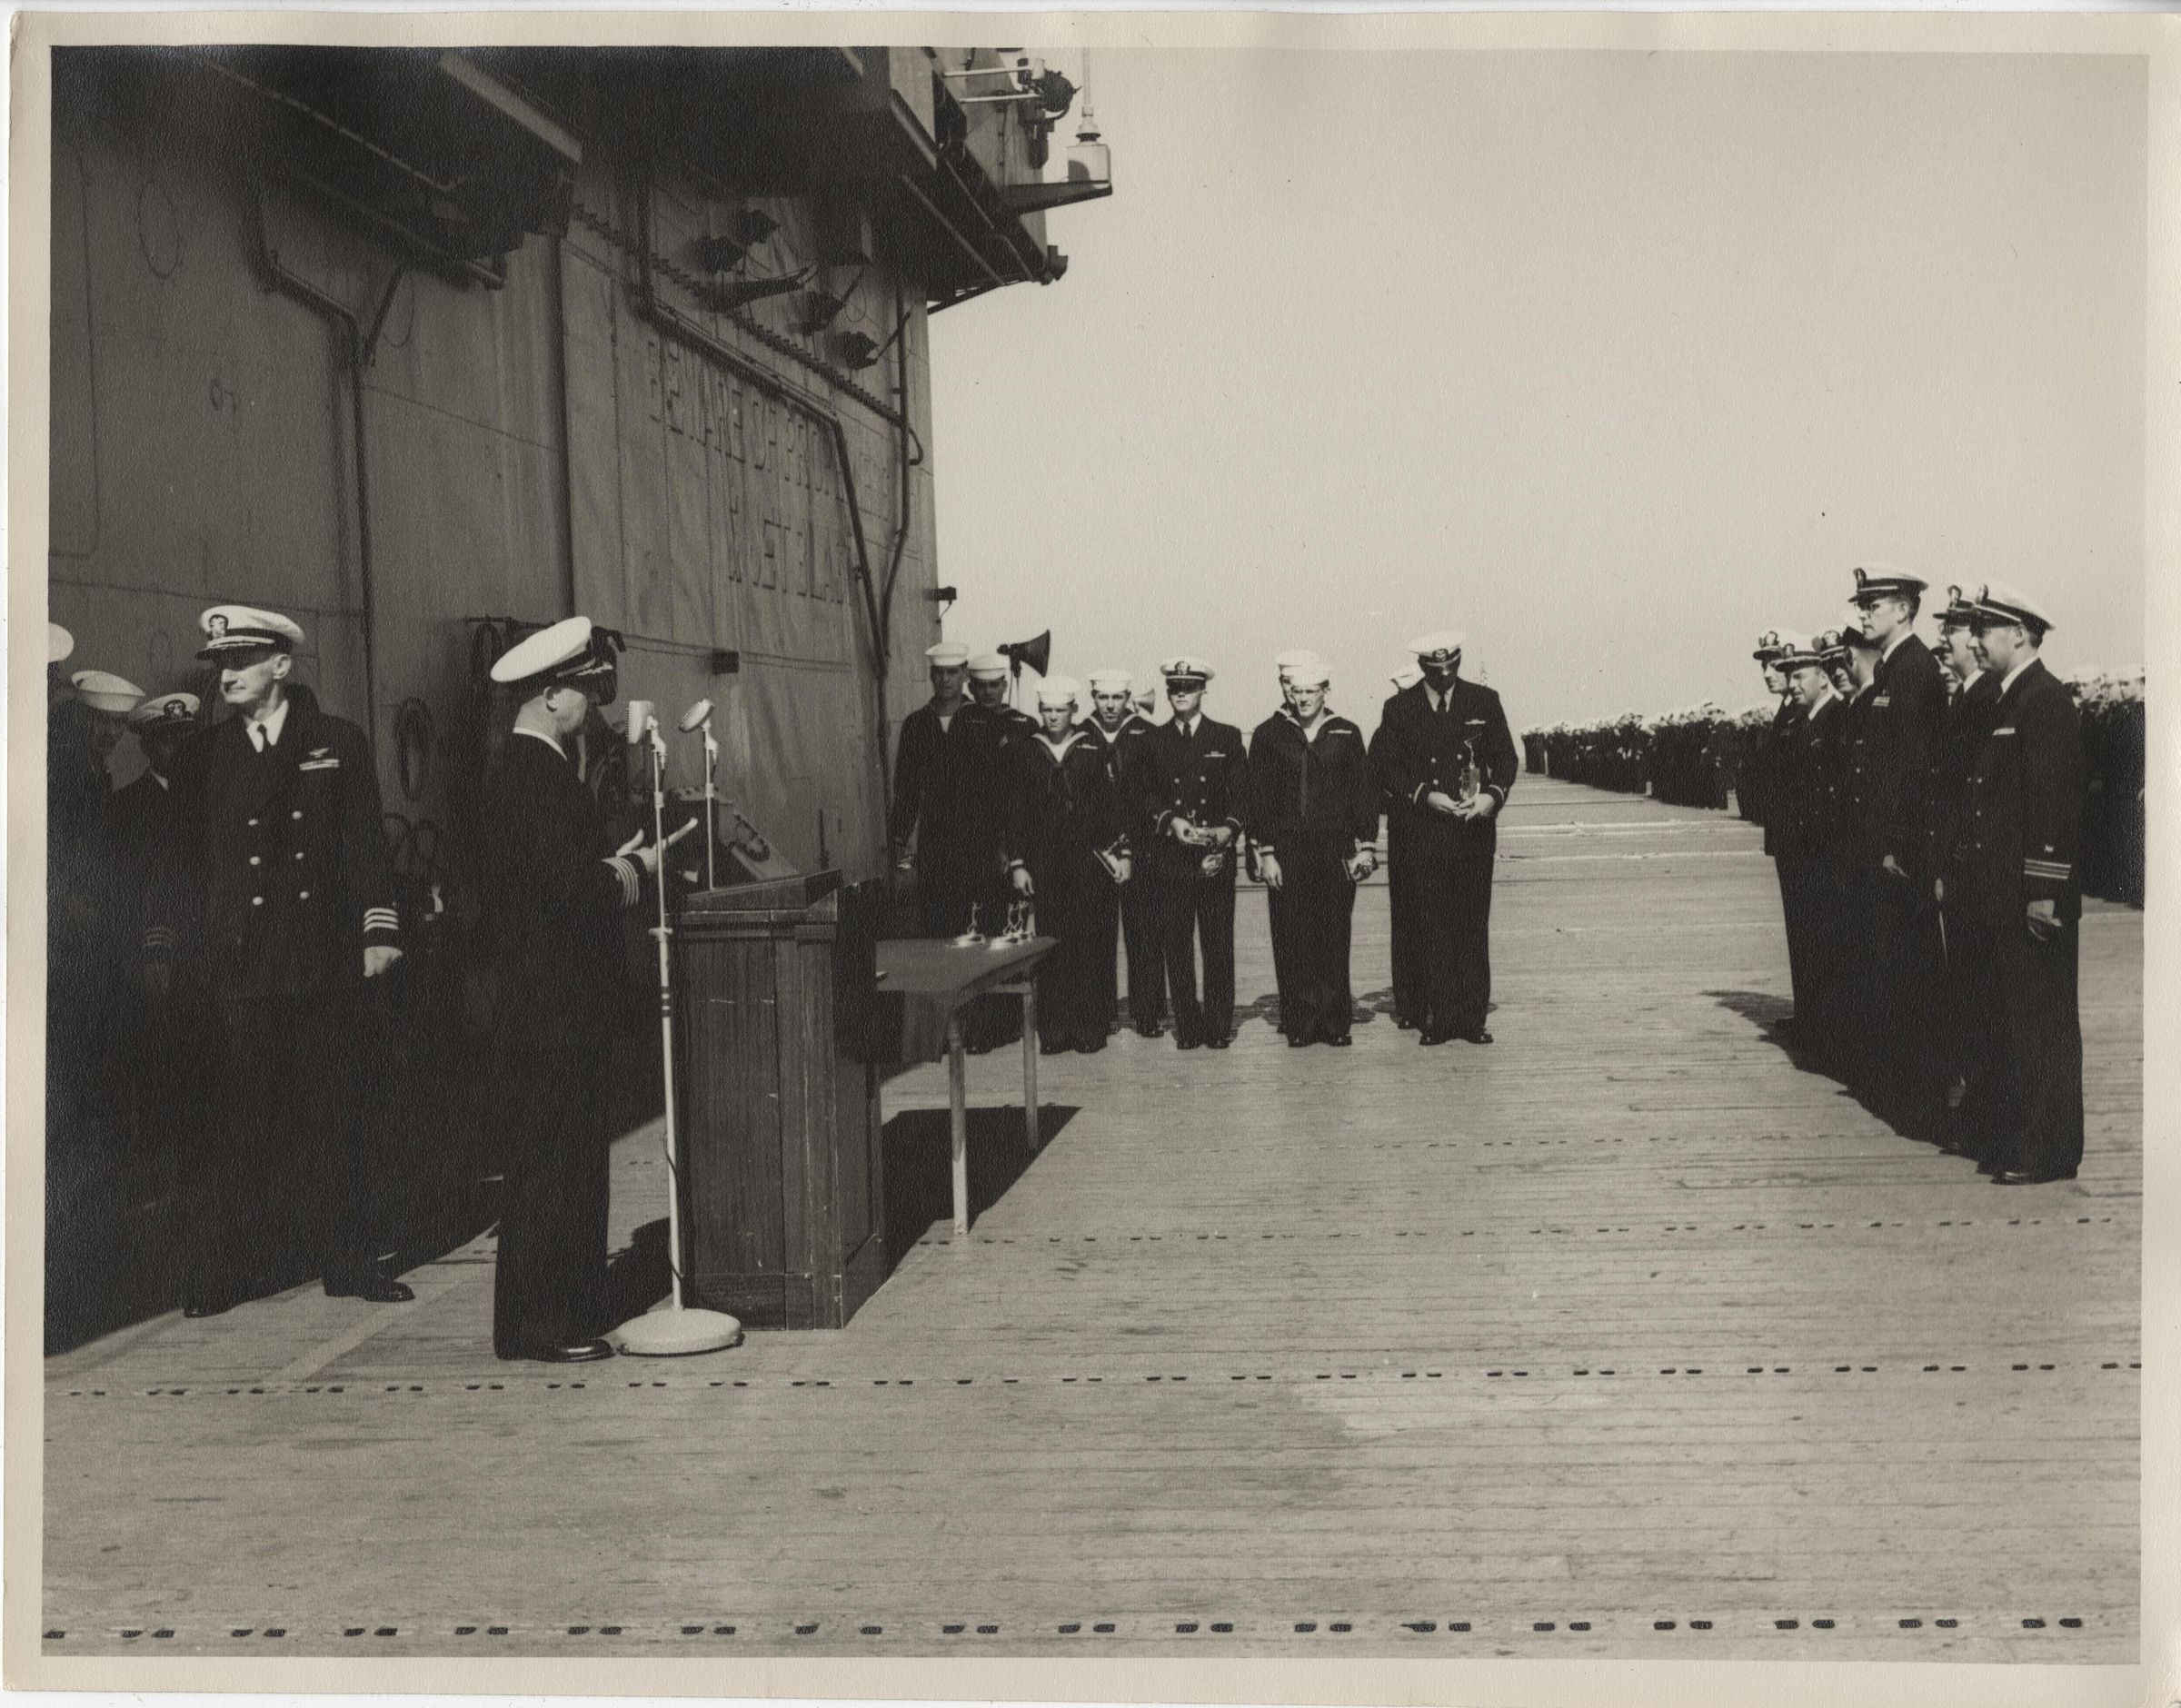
{"x": 1110, "y": 682}
{"x": 948, "y": 655}
{"x": 1408, "y": 676}
{"x": 987, "y": 666}
{"x": 2004, "y": 602}
{"x": 1308, "y": 671}
{"x": 1293, "y": 658}
{"x": 235, "y": 628}
{"x": 159, "y": 713}
{"x": 1438, "y": 646}
{"x": 59, "y": 643}
{"x": 1883, "y": 581}
{"x": 105, "y": 692}
{"x": 1059, "y": 691}
{"x": 1186, "y": 668}
{"x": 573, "y": 652}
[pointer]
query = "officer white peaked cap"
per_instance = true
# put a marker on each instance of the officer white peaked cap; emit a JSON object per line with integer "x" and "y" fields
{"x": 1186, "y": 667}
{"x": 987, "y": 665}
{"x": 1059, "y": 691}
{"x": 566, "y": 642}
{"x": 160, "y": 709}
{"x": 1795, "y": 649}
{"x": 59, "y": 643}
{"x": 1310, "y": 672}
{"x": 1874, "y": 579}
{"x": 1408, "y": 676}
{"x": 2011, "y": 604}
{"x": 230, "y": 628}
{"x": 1110, "y": 682}
{"x": 948, "y": 654}
{"x": 105, "y": 692}
{"x": 1440, "y": 642}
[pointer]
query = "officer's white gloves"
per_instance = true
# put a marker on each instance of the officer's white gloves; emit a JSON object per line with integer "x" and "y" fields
{"x": 1023, "y": 884}
{"x": 1268, "y": 868}
{"x": 378, "y": 958}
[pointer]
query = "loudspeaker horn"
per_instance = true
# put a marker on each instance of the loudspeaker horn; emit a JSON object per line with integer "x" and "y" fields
{"x": 1036, "y": 653}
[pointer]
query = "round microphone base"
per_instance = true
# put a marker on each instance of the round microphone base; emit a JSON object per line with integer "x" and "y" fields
{"x": 675, "y": 1331}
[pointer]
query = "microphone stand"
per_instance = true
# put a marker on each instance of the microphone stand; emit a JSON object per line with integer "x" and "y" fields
{"x": 671, "y": 1329}
{"x": 712, "y": 764}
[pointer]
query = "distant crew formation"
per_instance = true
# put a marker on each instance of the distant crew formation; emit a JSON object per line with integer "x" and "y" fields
{"x": 1923, "y": 811}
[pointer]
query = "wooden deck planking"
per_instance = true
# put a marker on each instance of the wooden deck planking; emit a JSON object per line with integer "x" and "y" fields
{"x": 1268, "y": 1338}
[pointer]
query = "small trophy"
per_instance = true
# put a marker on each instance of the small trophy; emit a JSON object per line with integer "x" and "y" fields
{"x": 971, "y": 938}
{"x": 1472, "y": 781}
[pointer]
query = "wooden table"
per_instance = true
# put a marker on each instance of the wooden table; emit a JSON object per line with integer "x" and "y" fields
{"x": 936, "y": 980}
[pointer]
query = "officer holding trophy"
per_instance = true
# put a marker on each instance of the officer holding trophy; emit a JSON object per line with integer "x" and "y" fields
{"x": 1450, "y": 760}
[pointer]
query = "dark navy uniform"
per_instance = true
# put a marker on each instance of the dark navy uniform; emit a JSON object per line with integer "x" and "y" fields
{"x": 1898, "y": 741}
{"x": 553, "y": 893}
{"x": 1806, "y": 829}
{"x": 1313, "y": 807}
{"x": 1965, "y": 1024}
{"x": 1198, "y": 777}
{"x": 928, "y": 807}
{"x": 1131, "y": 920}
{"x": 1763, "y": 789}
{"x": 157, "y": 844}
{"x": 1067, "y": 817}
{"x": 1431, "y": 746}
{"x": 2017, "y": 841}
{"x": 296, "y": 885}
{"x": 1408, "y": 995}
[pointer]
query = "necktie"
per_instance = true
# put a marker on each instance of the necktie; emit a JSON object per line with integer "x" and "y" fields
{"x": 260, "y": 738}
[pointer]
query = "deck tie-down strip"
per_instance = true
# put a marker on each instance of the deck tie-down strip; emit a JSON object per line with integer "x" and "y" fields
{"x": 275, "y": 1390}
{"x": 1568, "y": 1231}
{"x": 1153, "y": 1627}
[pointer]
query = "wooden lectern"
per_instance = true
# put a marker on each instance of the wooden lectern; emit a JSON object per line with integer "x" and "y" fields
{"x": 783, "y": 1204}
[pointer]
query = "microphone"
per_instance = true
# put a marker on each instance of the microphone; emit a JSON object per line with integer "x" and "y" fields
{"x": 639, "y": 719}
{"x": 700, "y": 713}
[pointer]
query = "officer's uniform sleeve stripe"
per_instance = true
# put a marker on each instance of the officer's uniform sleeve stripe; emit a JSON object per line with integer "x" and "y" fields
{"x": 383, "y": 920}
{"x": 624, "y": 873}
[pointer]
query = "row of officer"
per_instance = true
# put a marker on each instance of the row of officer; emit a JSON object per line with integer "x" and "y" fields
{"x": 1164, "y": 856}
{"x": 1924, "y": 814}
{"x": 249, "y": 868}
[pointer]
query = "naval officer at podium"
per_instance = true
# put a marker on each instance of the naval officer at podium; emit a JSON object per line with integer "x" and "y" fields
{"x": 554, "y": 890}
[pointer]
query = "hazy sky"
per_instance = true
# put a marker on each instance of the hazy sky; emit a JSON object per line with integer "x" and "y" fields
{"x": 1610, "y": 360}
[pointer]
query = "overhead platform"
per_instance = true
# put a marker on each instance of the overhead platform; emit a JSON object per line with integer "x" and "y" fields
{"x": 1620, "y": 1338}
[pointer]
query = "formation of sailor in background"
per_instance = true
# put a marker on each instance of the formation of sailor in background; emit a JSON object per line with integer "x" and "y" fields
{"x": 1923, "y": 812}
{"x": 1130, "y": 830}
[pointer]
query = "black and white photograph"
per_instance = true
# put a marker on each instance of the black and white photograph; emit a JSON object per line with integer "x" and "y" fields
{"x": 1070, "y": 842}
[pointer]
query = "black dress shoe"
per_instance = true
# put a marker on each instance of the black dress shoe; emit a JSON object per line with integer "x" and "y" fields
{"x": 1091, "y": 1048}
{"x": 575, "y": 1352}
{"x": 374, "y": 1289}
{"x": 208, "y": 1307}
{"x": 1217, "y": 1043}
{"x": 1052, "y": 1046}
{"x": 1296, "y": 1040}
{"x": 1184, "y": 1043}
{"x": 1428, "y": 1037}
{"x": 1151, "y": 1028}
{"x": 1478, "y": 1036}
{"x": 1340, "y": 1040}
{"x": 1402, "y": 1023}
{"x": 2027, "y": 1177}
